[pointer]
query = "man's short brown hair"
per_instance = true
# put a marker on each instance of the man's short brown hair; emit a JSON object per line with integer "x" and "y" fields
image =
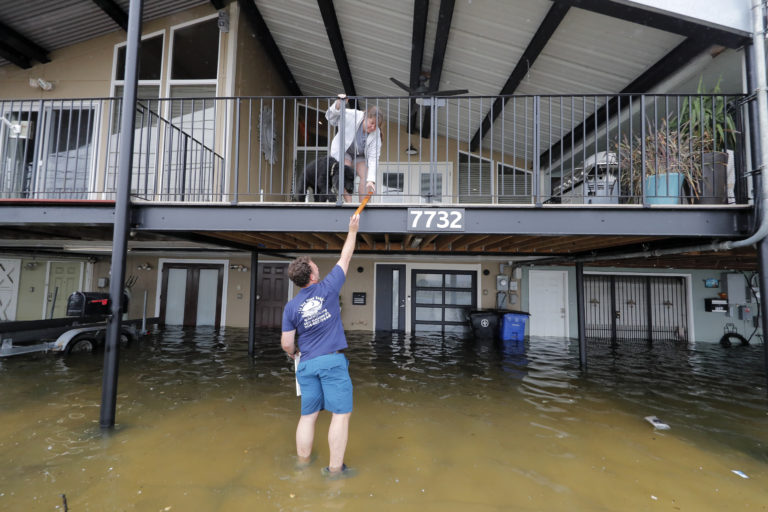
{"x": 300, "y": 270}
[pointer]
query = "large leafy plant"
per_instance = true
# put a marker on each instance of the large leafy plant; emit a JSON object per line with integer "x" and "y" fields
{"x": 708, "y": 117}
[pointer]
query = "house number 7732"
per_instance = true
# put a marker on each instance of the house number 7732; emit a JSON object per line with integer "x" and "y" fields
{"x": 435, "y": 219}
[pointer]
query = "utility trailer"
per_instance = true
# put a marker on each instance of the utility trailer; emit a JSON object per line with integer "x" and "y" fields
{"x": 83, "y": 330}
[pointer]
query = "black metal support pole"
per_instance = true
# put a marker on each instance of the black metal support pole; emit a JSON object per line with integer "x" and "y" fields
{"x": 253, "y": 304}
{"x": 580, "y": 315}
{"x": 122, "y": 218}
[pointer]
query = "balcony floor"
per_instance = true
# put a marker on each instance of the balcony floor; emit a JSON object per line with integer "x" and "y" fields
{"x": 548, "y": 231}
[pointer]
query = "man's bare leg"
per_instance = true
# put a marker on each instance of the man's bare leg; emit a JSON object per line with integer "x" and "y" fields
{"x": 338, "y": 432}
{"x": 305, "y": 435}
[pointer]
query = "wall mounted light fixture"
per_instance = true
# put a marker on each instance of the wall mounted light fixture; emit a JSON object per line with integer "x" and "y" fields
{"x": 40, "y": 83}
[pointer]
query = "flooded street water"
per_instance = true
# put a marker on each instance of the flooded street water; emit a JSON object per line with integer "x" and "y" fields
{"x": 439, "y": 424}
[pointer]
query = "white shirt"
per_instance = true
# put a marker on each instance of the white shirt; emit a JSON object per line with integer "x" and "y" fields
{"x": 353, "y": 119}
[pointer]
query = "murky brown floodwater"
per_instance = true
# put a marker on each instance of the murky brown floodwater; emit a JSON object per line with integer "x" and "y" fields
{"x": 439, "y": 424}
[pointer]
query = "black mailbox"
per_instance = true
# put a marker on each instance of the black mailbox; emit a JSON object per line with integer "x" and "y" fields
{"x": 84, "y": 304}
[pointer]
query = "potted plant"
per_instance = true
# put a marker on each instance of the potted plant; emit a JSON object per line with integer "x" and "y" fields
{"x": 670, "y": 162}
{"x": 707, "y": 118}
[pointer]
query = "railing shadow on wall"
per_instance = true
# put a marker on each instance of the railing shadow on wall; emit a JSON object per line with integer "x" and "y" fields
{"x": 495, "y": 150}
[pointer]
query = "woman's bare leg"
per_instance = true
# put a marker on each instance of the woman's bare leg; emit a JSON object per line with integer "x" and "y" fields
{"x": 362, "y": 172}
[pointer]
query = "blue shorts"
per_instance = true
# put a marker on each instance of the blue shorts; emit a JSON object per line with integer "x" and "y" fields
{"x": 325, "y": 384}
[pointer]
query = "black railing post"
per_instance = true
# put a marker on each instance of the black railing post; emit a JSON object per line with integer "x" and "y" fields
{"x": 236, "y": 170}
{"x": 342, "y": 151}
{"x": 613, "y": 311}
{"x": 581, "y": 315}
{"x": 536, "y": 150}
{"x": 185, "y": 139}
{"x": 253, "y": 302}
{"x": 643, "y": 157}
{"x": 122, "y": 219}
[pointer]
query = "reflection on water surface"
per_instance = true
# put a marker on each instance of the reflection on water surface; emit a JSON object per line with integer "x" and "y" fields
{"x": 439, "y": 424}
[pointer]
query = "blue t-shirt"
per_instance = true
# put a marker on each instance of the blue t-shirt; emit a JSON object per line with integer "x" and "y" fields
{"x": 315, "y": 314}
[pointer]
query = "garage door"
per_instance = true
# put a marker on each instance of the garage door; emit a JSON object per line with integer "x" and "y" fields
{"x": 441, "y": 300}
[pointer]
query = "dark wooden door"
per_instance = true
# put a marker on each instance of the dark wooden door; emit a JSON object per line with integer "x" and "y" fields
{"x": 271, "y": 294}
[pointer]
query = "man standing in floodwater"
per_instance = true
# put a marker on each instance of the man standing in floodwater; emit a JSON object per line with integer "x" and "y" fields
{"x": 323, "y": 370}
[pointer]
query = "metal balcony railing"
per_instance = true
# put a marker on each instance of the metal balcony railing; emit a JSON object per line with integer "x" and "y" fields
{"x": 501, "y": 150}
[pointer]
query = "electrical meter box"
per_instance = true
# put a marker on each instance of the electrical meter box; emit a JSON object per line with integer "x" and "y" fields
{"x": 502, "y": 282}
{"x": 735, "y": 286}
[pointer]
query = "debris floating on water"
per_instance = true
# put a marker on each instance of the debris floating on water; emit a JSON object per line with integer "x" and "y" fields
{"x": 740, "y": 473}
{"x": 657, "y": 423}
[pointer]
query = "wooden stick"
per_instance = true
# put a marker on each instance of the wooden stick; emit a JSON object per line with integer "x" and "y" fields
{"x": 362, "y": 205}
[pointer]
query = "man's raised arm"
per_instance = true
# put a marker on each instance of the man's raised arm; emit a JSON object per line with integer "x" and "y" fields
{"x": 349, "y": 243}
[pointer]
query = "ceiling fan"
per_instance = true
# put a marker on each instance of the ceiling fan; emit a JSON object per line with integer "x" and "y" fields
{"x": 421, "y": 92}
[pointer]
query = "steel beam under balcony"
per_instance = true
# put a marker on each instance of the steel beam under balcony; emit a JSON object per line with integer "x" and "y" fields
{"x": 100, "y": 213}
{"x": 549, "y": 220}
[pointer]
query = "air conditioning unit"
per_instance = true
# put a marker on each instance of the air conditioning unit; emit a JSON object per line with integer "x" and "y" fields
{"x": 595, "y": 182}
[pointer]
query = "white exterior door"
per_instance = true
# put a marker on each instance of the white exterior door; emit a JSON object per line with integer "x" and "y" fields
{"x": 9, "y": 288}
{"x": 548, "y": 302}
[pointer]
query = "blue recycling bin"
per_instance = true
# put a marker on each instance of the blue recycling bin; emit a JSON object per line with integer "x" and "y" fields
{"x": 512, "y": 325}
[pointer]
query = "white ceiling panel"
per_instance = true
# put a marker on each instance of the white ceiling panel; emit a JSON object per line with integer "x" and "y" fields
{"x": 486, "y": 41}
{"x": 298, "y": 30}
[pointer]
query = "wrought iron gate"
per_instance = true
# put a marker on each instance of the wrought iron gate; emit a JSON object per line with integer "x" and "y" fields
{"x": 636, "y": 308}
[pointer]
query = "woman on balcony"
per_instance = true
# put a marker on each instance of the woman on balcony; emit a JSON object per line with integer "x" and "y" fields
{"x": 362, "y": 142}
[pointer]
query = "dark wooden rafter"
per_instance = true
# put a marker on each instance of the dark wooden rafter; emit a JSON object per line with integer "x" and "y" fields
{"x": 368, "y": 240}
{"x": 662, "y": 69}
{"x": 218, "y": 4}
{"x": 114, "y": 11}
{"x": 543, "y": 34}
{"x": 444, "y": 19}
{"x": 418, "y": 37}
{"x": 16, "y": 44}
{"x": 11, "y": 55}
{"x": 260, "y": 29}
{"x": 661, "y": 21}
{"x": 331, "y": 22}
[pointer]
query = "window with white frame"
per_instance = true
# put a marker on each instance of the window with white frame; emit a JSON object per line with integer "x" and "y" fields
{"x": 475, "y": 179}
{"x": 147, "y": 114}
{"x": 515, "y": 184}
{"x": 192, "y": 79}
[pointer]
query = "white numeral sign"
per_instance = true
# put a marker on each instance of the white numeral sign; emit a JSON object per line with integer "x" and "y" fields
{"x": 435, "y": 219}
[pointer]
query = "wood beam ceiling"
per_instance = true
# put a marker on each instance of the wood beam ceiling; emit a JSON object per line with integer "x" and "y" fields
{"x": 543, "y": 34}
{"x": 19, "y": 49}
{"x": 444, "y": 19}
{"x": 328, "y": 12}
{"x": 114, "y": 11}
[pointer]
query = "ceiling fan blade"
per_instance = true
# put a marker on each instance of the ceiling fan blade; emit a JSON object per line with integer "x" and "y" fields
{"x": 453, "y": 92}
{"x": 400, "y": 85}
